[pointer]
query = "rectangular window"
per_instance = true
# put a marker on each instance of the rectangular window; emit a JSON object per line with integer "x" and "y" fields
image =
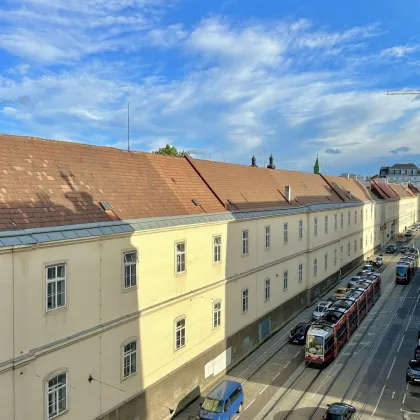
{"x": 361, "y": 216}
{"x": 130, "y": 358}
{"x": 315, "y": 226}
{"x": 267, "y": 289}
{"x": 361, "y": 244}
{"x": 348, "y": 218}
{"x": 180, "y": 333}
{"x": 326, "y": 262}
{"x": 355, "y": 217}
{"x": 335, "y": 257}
{"x": 217, "y": 249}
{"x": 285, "y": 279}
{"x": 217, "y": 314}
{"x": 341, "y": 252}
{"x": 366, "y": 240}
{"x": 55, "y": 286}
{"x": 335, "y": 222}
{"x": 300, "y": 229}
{"x": 267, "y": 237}
{"x": 342, "y": 220}
{"x": 244, "y": 300}
{"x": 348, "y": 249}
{"x": 326, "y": 224}
{"x": 315, "y": 267}
{"x": 180, "y": 257}
{"x": 285, "y": 233}
{"x": 300, "y": 273}
{"x": 57, "y": 395}
{"x": 355, "y": 246}
{"x": 245, "y": 243}
{"x": 130, "y": 269}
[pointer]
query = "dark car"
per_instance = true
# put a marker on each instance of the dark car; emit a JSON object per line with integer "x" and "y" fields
{"x": 409, "y": 234}
{"x": 412, "y": 374}
{"x": 404, "y": 249}
{"x": 391, "y": 249}
{"x": 298, "y": 333}
{"x": 339, "y": 411}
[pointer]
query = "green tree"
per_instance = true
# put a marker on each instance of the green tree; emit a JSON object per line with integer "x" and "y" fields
{"x": 171, "y": 151}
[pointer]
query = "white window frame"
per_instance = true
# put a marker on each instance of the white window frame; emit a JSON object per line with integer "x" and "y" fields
{"x": 128, "y": 267}
{"x": 335, "y": 257}
{"x": 315, "y": 226}
{"x": 300, "y": 227}
{"x": 285, "y": 233}
{"x": 55, "y": 391}
{"x": 217, "y": 314}
{"x": 245, "y": 300}
{"x": 245, "y": 242}
{"x": 54, "y": 281}
{"x": 129, "y": 355}
{"x": 335, "y": 222}
{"x": 300, "y": 273}
{"x": 267, "y": 232}
{"x": 285, "y": 279}
{"x": 180, "y": 330}
{"x": 326, "y": 262}
{"x": 180, "y": 258}
{"x": 267, "y": 289}
{"x": 326, "y": 224}
{"x": 315, "y": 267}
{"x": 217, "y": 249}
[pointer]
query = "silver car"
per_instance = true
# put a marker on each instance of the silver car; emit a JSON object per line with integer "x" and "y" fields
{"x": 321, "y": 308}
{"x": 353, "y": 281}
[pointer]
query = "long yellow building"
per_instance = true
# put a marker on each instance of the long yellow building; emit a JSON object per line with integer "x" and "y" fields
{"x": 130, "y": 282}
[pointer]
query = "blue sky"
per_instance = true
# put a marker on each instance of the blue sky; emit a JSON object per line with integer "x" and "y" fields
{"x": 222, "y": 79}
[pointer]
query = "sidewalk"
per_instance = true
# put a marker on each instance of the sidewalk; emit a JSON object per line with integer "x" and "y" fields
{"x": 246, "y": 369}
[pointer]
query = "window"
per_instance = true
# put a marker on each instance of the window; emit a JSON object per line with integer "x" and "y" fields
{"x": 326, "y": 262}
{"x": 366, "y": 240}
{"x": 267, "y": 237}
{"x": 300, "y": 229}
{"x": 56, "y": 286}
{"x": 342, "y": 220}
{"x": 285, "y": 278}
{"x": 57, "y": 397}
{"x": 180, "y": 257}
{"x": 348, "y": 218}
{"x": 348, "y": 249}
{"x": 315, "y": 226}
{"x": 326, "y": 224}
{"x": 315, "y": 267}
{"x": 355, "y": 246}
{"x": 285, "y": 233}
{"x": 267, "y": 289}
{"x": 355, "y": 217}
{"x": 361, "y": 216}
{"x": 244, "y": 300}
{"x": 180, "y": 333}
{"x": 300, "y": 273}
{"x": 335, "y": 222}
{"x": 335, "y": 257}
{"x": 366, "y": 214}
{"x": 245, "y": 242}
{"x": 217, "y": 248}
{"x": 130, "y": 269}
{"x": 341, "y": 252}
{"x": 361, "y": 244}
{"x": 217, "y": 314}
{"x": 129, "y": 358}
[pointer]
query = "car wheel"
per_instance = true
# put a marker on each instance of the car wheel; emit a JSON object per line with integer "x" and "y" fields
{"x": 240, "y": 408}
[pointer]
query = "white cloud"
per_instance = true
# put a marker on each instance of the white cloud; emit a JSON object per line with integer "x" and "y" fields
{"x": 398, "y": 51}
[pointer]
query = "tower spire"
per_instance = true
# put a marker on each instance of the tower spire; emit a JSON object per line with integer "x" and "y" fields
{"x": 317, "y": 168}
{"x": 271, "y": 162}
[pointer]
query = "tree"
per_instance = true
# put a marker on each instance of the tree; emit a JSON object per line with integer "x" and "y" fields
{"x": 171, "y": 151}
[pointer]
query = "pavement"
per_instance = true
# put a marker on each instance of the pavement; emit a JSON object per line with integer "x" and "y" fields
{"x": 268, "y": 375}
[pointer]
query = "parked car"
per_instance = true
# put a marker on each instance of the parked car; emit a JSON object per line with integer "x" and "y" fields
{"x": 404, "y": 249}
{"x": 321, "y": 308}
{"x": 391, "y": 249}
{"x": 341, "y": 292}
{"x": 369, "y": 268}
{"x": 332, "y": 299}
{"x": 353, "y": 281}
{"x": 339, "y": 411}
{"x": 297, "y": 334}
{"x": 409, "y": 234}
{"x": 378, "y": 262}
{"x": 362, "y": 272}
{"x": 412, "y": 374}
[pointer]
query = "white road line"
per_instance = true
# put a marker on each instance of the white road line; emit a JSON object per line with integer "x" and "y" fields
{"x": 404, "y": 398}
{"x": 287, "y": 364}
{"x": 264, "y": 389}
{"x": 406, "y": 387}
{"x": 390, "y": 370}
{"x": 377, "y": 404}
{"x": 249, "y": 404}
{"x": 276, "y": 376}
{"x": 297, "y": 354}
{"x": 402, "y": 339}
{"x": 393, "y": 394}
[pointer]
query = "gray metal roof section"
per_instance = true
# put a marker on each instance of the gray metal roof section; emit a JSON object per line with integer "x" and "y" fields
{"x": 60, "y": 233}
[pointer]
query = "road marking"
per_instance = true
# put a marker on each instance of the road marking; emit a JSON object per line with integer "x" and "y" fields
{"x": 390, "y": 370}
{"x": 402, "y": 339}
{"x": 287, "y": 364}
{"x": 406, "y": 387}
{"x": 404, "y": 398}
{"x": 393, "y": 394}
{"x": 297, "y": 354}
{"x": 377, "y": 404}
{"x": 264, "y": 389}
{"x": 249, "y": 404}
{"x": 276, "y": 376}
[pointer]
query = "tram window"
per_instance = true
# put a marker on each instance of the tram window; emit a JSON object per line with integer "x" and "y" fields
{"x": 353, "y": 317}
{"x": 341, "y": 331}
{"x": 329, "y": 345}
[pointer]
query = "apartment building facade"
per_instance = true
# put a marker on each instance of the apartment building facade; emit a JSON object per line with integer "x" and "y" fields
{"x": 131, "y": 282}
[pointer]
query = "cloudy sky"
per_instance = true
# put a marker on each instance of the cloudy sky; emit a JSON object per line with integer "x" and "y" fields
{"x": 221, "y": 78}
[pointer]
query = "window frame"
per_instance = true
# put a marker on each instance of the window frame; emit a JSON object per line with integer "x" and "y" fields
{"x": 348, "y": 249}
{"x": 246, "y": 300}
{"x": 335, "y": 257}
{"x": 124, "y": 265}
{"x": 215, "y": 247}
{"x": 349, "y": 218}
{"x": 176, "y": 329}
{"x": 218, "y": 312}
{"x": 47, "y": 392}
{"x": 315, "y": 226}
{"x": 184, "y": 242}
{"x": 326, "y": 225}
{"x": 55, "y": 280}
{"x": 315, "y": 267}
{"x": 123, "y": 356}
{"x": 285, "y": 232}
{"x": 325, "y": 262}
{"x": 300, "y": 229}
{"x": 342, "y": 221}
{"x": 300, "y": 273}
{"x": 285, "y": 279}
{"x": 335, "y": 222}
{"x": 245, "y": 241}
{"x": 267, "y": 237}
{"x": 267, "y": 289}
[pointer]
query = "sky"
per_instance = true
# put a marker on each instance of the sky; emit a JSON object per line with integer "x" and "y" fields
{"x": 222, "y": 79}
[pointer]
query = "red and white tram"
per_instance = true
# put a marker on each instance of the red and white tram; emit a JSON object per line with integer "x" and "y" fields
{"x": 327, "y": 336}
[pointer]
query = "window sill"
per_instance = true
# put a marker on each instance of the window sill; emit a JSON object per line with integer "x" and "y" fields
{"x": 128, "y": 377}
{"x": 56, "y": 311}
{"x": 59, "y": 415}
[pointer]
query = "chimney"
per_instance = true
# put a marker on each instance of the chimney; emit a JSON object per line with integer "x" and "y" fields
{"x": 350, "y": 195}
{"x": 288, "y": 193}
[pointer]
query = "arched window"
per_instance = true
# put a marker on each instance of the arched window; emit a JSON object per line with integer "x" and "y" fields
{"x": 57, "y": 394}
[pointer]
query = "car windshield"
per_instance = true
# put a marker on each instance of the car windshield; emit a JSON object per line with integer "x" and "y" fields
{"x": 415, "y": 365}
{"x": 314, "y": 345}
{"x": 321, "y": 307}
{"x": 331, "y": 416}
{"x": 215, "y": 406}
{"x": 401, "y": 270}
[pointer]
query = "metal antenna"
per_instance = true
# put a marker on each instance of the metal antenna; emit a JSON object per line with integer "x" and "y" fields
{"x": 128, "y": 125}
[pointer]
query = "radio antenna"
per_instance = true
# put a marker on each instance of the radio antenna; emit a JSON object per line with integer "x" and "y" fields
{"x": 128, "y": 125}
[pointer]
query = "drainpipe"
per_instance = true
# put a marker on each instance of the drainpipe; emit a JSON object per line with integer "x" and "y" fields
{"x": 13, "y": 335}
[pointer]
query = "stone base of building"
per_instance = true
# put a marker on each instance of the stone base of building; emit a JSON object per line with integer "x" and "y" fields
{"x": 187, "y": 383}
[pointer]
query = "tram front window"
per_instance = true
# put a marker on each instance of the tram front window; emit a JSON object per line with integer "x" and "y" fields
{"x": 314, "y": 345}
{"x": 401, "y": 271}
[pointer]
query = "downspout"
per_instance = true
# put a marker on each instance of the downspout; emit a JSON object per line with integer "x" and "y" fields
{"x": 13, "y": 334}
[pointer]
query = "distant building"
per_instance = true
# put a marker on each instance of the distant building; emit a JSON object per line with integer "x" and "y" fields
{"x": 354, "y": 176}
{"x": 401, "y": 173}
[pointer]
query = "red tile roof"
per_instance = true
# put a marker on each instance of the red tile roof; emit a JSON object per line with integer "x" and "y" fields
{"x": 400, "y": 190}
{"x": 52, "y": 183}
{"x": 350, "y": 190}
{"x": 383, "y": 190}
